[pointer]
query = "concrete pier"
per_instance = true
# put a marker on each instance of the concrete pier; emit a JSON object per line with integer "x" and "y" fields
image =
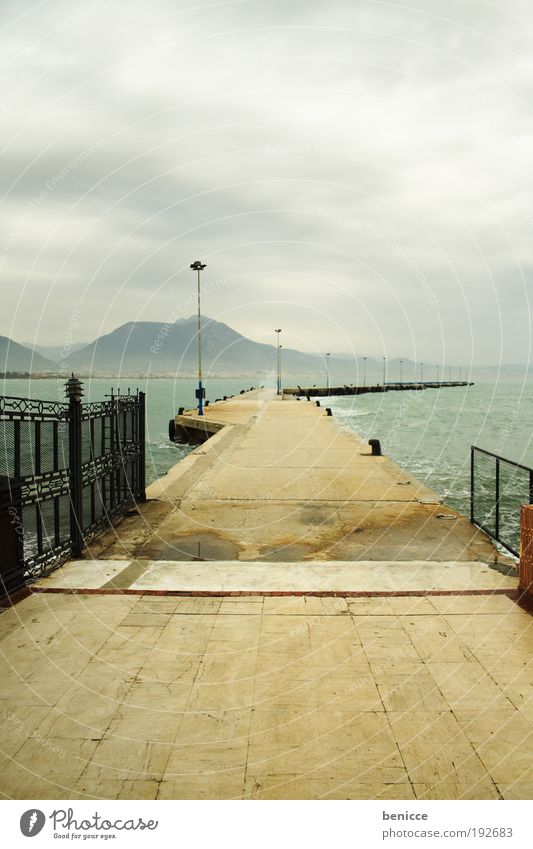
{"x": 282, "y": 481}
{"x": 287, "y": 616}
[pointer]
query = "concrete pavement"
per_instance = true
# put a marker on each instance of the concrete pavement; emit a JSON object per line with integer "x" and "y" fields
{"x": 286, "y": 617}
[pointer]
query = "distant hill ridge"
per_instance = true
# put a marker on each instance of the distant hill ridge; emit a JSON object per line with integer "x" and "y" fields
{"x": 159, "y": 347}
{"x": 163, "y": 348}
{"x": 15, "y": 357}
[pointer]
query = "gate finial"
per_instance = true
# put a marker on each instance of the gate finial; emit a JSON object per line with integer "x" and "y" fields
{"x": 74, "y": 388}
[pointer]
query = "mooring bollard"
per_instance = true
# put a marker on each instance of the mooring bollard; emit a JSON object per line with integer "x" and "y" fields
{"x": 328, "y": 411}
{"x": 317, "y": 403}
{"x": 376, "y": 447}
{"x": 181, "y": 411}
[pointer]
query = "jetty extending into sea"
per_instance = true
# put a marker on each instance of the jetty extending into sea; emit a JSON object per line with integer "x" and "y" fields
{"x": 372, "y": 388}
{"x": 288, "y": 615}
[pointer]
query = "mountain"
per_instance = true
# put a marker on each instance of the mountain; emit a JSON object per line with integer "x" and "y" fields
{"x": 54, "y": 352}
{"x": 149, "y": 347}
{"x": 15, "y": 357}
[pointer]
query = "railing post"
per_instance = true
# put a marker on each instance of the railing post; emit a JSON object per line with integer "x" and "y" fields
{"x": 472, "y": 449}
{"x": 497, "y": 505}
{"x": 74, "y": 394}
{"x": 141, "y": 430}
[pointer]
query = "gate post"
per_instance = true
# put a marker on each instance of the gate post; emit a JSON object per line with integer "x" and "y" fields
{"x": 73, "y": 389}
{"x": 12, "y": 560}
{"x": 141, "y": 412}
{"x": 526, "y": 550}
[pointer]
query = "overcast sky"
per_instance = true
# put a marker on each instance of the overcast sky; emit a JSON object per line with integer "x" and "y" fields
{"x": 356, "y": 173}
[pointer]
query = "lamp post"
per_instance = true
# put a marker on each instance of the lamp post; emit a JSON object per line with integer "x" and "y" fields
{"x": 198, "y": 267}
{"x": 401, "y": 371}
{"x": 384, "y": 370}
{"x": 278, "y": 378}
{"x": 421, "y": 372}
{"x": 364, "y": 371}
{"x": 327, "y": 372}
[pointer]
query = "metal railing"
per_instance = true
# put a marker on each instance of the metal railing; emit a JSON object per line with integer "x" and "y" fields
{"x": 66, "y": 470}
{"x": 498, "y": 487}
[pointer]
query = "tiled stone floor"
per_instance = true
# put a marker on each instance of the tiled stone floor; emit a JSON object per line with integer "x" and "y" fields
{"x": 266, "y": 697}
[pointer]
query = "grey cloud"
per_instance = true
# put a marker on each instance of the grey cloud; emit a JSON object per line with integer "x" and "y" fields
{"x": 363, "y": 161}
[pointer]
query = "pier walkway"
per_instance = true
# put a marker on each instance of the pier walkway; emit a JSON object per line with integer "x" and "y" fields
{"x": 286, "y": 617}
{"x": 282, "y": 481}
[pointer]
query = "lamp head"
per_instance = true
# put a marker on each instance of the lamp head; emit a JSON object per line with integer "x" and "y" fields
{"x": 198, "y": 266}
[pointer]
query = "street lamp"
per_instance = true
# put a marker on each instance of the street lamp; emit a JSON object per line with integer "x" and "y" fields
{"x": 384, "y": 370}
{"x": 401, "y": 371}
{"x": 327, "y": 372}
{"x": 364, "y": 371}
{"x": 200, "y": 392}
{"x": 278, "y": 379}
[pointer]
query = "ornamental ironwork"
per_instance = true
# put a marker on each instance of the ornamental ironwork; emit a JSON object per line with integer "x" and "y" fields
{"x": 67, "y": 470}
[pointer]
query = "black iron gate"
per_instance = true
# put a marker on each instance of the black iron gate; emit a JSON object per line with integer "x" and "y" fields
{"x": 66, "y": 470}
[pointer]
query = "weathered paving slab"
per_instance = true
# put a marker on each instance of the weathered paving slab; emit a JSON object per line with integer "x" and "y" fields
{"x": 265, "y": 697}
{"x": 309, "y": 576}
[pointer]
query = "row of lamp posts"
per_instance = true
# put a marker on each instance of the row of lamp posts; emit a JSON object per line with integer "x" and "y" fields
{"x": 200, "y": 392}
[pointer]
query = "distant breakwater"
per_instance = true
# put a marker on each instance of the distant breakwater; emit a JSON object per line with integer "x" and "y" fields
{"x": 322, "y": 391}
